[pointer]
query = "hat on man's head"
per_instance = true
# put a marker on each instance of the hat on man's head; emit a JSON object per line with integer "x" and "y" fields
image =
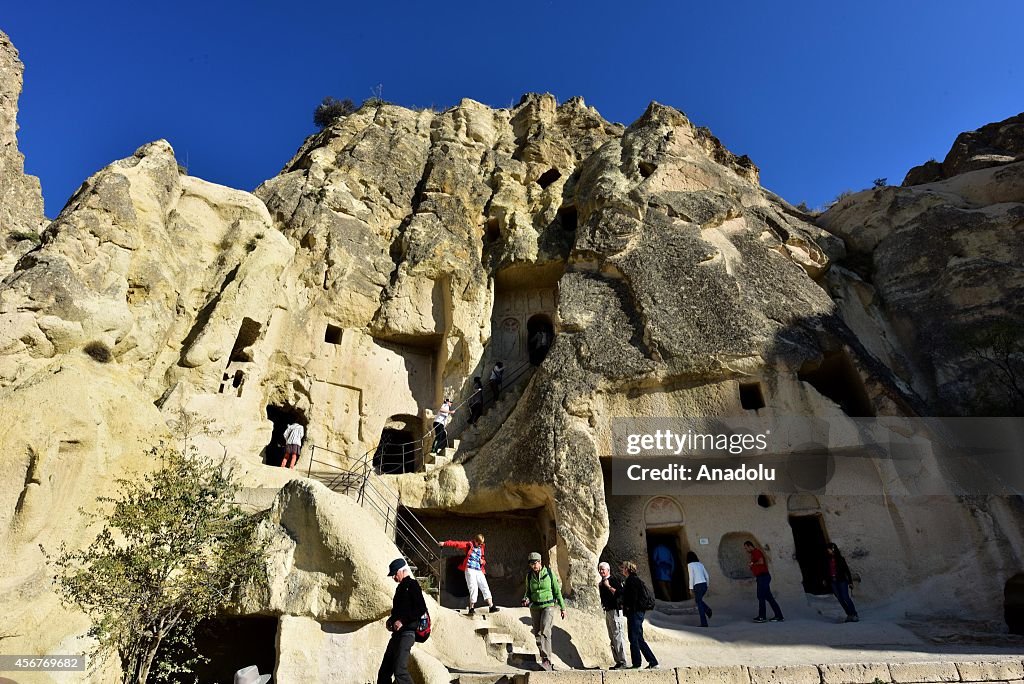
{"x": 533, "y": 557}
{"x": 395, "y": 566}
{"x": 251, "y": 675}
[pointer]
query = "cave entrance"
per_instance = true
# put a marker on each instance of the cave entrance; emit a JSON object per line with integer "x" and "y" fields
{"x": 399, "y": 449}
{"x": 666, "y": 551}
{"x": 1013, "y": 603}
{"x": 836, "y": 377}
{"x": 540, "y": 333}
{"x": 510, "y": 536}
{"x": 281, "y": 417}
{"x": 248, "y": 333}
{"x": 810, "y": 539}
{"x": 228, "y": 645}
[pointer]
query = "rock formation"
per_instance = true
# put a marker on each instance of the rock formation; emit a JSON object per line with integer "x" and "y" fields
{"x": 400, "y": 253}
{"x": 21, "y": 200}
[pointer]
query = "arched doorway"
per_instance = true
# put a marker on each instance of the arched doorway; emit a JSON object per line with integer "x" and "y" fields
{"x": 399, "y": 450}
{"x": 666, "y": 549}
{"x": 809, "y": 540}
{"x": 540, "y": 333}
{"x": 282, "y": 417}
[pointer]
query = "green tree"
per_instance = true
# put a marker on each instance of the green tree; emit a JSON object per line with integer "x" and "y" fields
{"x": 173, "y": 551}
{"x": 998, "y": 348}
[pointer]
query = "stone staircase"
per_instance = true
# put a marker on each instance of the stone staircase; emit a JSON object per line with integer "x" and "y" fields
{"x": 475, "y": 436}
{"x": 433, "y": 461}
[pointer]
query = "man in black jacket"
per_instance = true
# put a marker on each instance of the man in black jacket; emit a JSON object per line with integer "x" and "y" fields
{"x": 610, "y": 589}
{"x": 636, "y": 600}
{"x": 407, "y": 609}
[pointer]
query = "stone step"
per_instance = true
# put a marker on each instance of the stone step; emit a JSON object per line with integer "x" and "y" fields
{"x": 523, "y": 659}
{"x": 488, "y": 678}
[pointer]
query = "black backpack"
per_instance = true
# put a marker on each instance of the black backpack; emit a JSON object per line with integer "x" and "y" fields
{"x": 644, "y": 599}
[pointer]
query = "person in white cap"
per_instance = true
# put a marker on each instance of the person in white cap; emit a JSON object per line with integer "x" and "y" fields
{"x": 251, "y": 675}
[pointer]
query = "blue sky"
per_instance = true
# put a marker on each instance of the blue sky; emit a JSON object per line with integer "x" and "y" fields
{"x": 823, "y": 95}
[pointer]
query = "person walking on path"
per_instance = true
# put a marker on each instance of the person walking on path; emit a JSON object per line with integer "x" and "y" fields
{"x": 407, "y": 608}
{"x": 698, "y": 585}
{"x": 441, "y": 420}
{"x": 476, "y": 402}
{"x": 293, "y": 435}
{"x": 610, "y": 589}
{"x": 637, "y": 599}
{"x": 839, "y": 573}
{"x": 497, "y": 374}
{"x": 542, "y": 594}
{"x": 474, "y": 565}
{"x": 759, "y": 567}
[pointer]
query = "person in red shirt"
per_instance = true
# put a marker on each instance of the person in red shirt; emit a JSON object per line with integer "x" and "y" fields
{"x": 759, "y": 567}
{"x": 475, "y": 567}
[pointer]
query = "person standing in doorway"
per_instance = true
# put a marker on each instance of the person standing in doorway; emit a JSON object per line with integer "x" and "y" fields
{"x": 637, "y": 599}
{"x": 759, "y": 567}
{"x": 474, "y": 565}
{"x": 842, "y": 578}
{"x": 664, "y": 568}
{"x": 407, "y": 609}
{"x": 698, "y": 585}
{"x": 497, "y": 375}
{"x": 610, "y": 589}
{"x": 476, "y": 402}
{"x": 444, "y": 415}
{"x": 293, "y": 435}
{"x": 542, "y": 594}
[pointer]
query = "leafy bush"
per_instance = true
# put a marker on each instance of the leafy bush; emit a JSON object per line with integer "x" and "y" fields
{"x": 879, "y": 182}
{"x": 330, "y": 110}
{"x": 19, "y": 235}
{"x": 174, "y": 550}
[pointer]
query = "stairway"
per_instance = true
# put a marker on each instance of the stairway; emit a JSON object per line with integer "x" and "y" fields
{"x": 434, "y": 461}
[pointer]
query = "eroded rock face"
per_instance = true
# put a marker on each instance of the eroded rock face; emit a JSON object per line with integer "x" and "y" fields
{"x": 21, "y": 199}
{"x": 994, "y": 144}
{"x": 943, "y": 259}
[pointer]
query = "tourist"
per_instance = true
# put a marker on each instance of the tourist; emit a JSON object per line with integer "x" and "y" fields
{"x": 542, "y": 594}
{"x": 474, "y": 565}
{"x": 759, "y": 567}
{"x": 497, "y": 374}
{"x": 248, "y": 675}
{"x": 664, "y": 568}
{"x": 839, "y": 573}
{"x": 698, "y": 585}
{"x": 610, "y": 589}
{"x": 293, "y": 435}
{"x": 636, "y": 601}
{"x": 407, "y": 609}
{"x": 476, "y": 402}
{"x": 444, "y": 415}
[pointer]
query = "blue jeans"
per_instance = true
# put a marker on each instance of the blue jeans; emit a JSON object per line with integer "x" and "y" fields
{"x": 764, "y": 593}
{"x": 637, "y": 645}
{"x": 699, "y": 590}
{"x": 842, "y": 591}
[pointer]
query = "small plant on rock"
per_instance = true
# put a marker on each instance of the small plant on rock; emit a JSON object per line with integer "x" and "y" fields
{"x": 330, "y": 110}
{"x": 99, "y": 351}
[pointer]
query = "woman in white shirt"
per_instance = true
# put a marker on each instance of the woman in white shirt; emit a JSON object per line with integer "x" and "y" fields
{"x": 698, "y": 585}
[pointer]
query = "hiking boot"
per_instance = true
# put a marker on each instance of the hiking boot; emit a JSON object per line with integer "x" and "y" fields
{"x": 619, "y": 666}
{"x": 760, "y": 619}
{"x": 777, "y": 618}
{"x": 493, "y": 609}
{"x": 471, "y": 611}
{"x": 653, "y": 666}
{"x": 546, "y": 664}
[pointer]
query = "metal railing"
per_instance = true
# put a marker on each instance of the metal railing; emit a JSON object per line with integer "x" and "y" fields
{"x": 371, "y": 491}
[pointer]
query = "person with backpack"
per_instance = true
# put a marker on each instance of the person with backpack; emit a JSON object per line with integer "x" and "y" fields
{"x": 474, "y": 565}
{"x": 759, "y": 568}
{"x": 542, "y": 594}
{"x": 637, "y": 599}
{"x": 408, "y": 610}
{"x": 839, "y": 573}
{"x": 610, "y": 589}
{"x": 698, "y": 585}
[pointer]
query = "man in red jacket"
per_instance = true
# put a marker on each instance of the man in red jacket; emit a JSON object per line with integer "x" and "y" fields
{"x": 759, "y": 568}
{"x": 474, "y": 565}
